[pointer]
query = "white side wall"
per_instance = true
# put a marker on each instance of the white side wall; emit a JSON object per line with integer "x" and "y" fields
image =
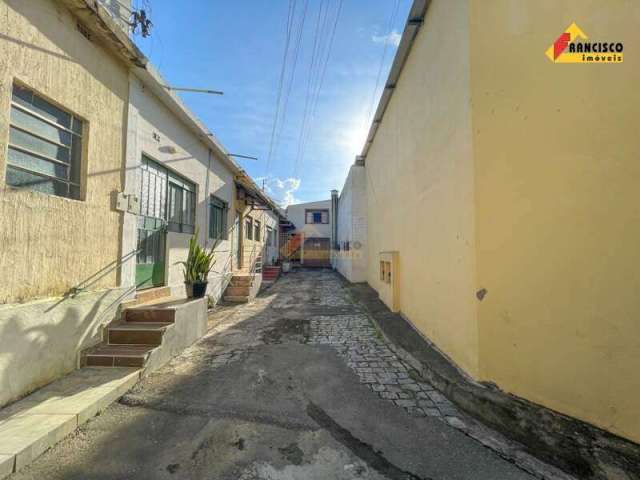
{"x": 191, "y": 160}
{"x": 271, "y": 251}
{"x": 352, "y": 227}
{"x": 295, "y": 213}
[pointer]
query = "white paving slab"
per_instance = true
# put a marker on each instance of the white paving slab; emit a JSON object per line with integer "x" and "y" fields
{"x": 42, "y": 419}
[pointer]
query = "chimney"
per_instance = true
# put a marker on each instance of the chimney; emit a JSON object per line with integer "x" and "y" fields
{"x": 334, "y": 221}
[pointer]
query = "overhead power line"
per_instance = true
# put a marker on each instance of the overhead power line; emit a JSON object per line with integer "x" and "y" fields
{"x": 325, "y": 55}
{"x": 290, "y": 17}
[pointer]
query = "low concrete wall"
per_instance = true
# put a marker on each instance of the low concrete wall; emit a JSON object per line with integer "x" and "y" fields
{"x": 190, "y": 325}
{"x": 40, "y": 341}
{"x": 572, "y": 445}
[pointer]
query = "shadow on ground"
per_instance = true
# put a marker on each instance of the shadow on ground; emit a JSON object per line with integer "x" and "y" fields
{"x": 254, "y": 400}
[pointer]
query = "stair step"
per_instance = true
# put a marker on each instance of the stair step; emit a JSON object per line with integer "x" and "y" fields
{"x": 143, "y": 296}
{"x": 149, "y": 314}
{"x": 134, "y": 333}
{"x": 117, "y": 355}
{"x": 238, "y": 281}
{"x": 238, "y": 290}
{"x": 236, "y": 298}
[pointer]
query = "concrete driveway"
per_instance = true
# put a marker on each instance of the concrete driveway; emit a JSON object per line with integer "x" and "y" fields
{"x": 296, "y": 385}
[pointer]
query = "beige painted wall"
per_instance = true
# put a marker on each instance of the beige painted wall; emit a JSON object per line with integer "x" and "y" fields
{"x": 420, "y": 186}
{"x": 558, "y": 218}
{"x": 49, "y": 243}
{"x": 183, "y": 152}
{"x": 251, "y": 248}
{"x": 296, "y": 214}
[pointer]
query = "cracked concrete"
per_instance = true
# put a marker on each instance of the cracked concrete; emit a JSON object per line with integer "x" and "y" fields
{"x": 277, "y": 390}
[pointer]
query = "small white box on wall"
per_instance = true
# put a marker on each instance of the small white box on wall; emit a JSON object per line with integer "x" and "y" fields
{"x": 389, "y": 279}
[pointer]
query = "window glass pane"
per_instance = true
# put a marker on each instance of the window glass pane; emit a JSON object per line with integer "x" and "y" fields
{"x": 37, "y": 164}
{"x": 77, "y": 126}
{"x": 144, "y": 192}
{"x": 163, "y": 196}
{"x": 76, "y": 159}
{"x": 25, "y": 97}
{"x": 19, "y": 178}
{"x": 26, "y": 140}
{"x": 37, "y": 126}
{"x": 324, "y": 217}
{"x": 175, "y": 208}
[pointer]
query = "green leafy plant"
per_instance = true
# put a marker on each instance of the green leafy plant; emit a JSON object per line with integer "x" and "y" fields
{"x": 199, "y": 262}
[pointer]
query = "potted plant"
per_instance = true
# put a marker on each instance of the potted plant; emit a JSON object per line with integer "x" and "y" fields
{"x": 197, "y": 267}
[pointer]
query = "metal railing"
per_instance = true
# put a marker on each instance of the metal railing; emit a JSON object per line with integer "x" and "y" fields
{"x": 93, "y": 279}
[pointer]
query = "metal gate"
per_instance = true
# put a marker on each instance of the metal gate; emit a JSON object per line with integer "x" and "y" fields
{"x": 152, "y": 225}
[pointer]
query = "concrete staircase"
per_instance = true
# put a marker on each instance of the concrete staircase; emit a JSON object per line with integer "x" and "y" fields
{"x": 149, "y": 334}
{"x": 270, "y": 274}
{"x": 243, "y": 287}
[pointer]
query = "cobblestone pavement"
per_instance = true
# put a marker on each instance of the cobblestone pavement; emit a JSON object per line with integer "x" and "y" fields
{"x": 297, "y": 384}
{"x": 359, "y": 343}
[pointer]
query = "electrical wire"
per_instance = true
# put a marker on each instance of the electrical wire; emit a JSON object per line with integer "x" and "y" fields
{"x": 289, "y": 28}
{"x": 323, "y": 70}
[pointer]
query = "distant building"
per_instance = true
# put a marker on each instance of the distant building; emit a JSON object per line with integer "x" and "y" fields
{"x": 309, "y": 243}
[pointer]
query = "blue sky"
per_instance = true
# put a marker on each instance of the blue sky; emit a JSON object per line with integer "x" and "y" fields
{"x": 238, "y": 46}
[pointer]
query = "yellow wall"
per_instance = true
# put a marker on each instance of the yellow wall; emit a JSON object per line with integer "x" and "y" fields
{"x": 420, "y": 186}
{"x": 51, "y": 243}
{"x": 557, "y": 156}
{"x": 252, "y": 248}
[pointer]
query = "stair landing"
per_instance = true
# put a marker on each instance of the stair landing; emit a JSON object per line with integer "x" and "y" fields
{"x": 158, "y": 329}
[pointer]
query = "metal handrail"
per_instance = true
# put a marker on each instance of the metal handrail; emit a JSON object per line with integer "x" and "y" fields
{"x": 93, "y": 279}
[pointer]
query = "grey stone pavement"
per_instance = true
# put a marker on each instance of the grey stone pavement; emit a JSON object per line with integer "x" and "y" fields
{"x": 298, "y": 384}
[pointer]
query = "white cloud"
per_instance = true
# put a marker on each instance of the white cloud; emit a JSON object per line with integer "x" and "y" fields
{"x": 282, "y": 190}
{"x": 393, "y": 38}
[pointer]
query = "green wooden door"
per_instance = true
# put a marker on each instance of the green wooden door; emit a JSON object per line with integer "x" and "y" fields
{"x": 152, "y": 225}
{"x": 150, "y": 266}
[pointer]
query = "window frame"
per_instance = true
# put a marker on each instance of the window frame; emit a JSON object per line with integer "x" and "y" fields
{"x": 216, "y": 204}
{"x": 248, "y": 228}
{"x": 269, "y": 237}
{"x": 153, "y": 170}
{"x": 313, "y": 212}
{"x": 257, "y": 230}
{"x": 187, "y": 203}
{"x": 75, "y": 130}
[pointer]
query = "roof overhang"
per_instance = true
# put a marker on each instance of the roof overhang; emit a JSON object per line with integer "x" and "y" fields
{"x": 97, "y": 19}
{"x": 411, "y": 29}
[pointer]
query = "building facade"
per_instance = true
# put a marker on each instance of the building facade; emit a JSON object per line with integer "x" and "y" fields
{"x": 104, "y": 177}
{"x": 63, "y": 101}
{"x": 311, "y": 237}
{"x": 350, "y": 248}
{"x": 501, "y": 203}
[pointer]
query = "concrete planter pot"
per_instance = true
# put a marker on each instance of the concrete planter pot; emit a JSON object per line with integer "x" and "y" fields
{"x": 196, "y": 290}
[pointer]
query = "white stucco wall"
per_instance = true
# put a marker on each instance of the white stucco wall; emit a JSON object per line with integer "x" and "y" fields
{"x": 183, "y": 152}
{"x": 296, "y": 214}
{"x": 352, "y": 227}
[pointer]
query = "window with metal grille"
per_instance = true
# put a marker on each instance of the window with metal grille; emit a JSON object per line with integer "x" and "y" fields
{"x": 248, "y": 228}
{"x": 257, "y": 227}
{"x": 316, "y": 216}
{"x": 45, "y": 146}
{"x": 217, "y": 218}
{"x": 182, "y": 204}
